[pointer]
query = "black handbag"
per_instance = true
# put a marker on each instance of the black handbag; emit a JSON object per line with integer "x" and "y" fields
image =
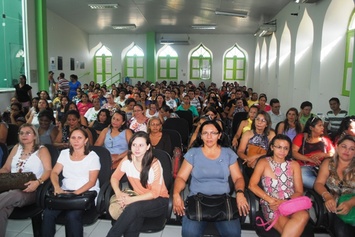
{"x": 70, "y": 201}
{"x": 10, "y": 181}
{"x": 201, "y": 207}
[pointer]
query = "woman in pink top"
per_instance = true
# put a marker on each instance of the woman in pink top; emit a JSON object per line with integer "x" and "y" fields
{"x": 145, "y": 174}
{"x": 84, "y": 104}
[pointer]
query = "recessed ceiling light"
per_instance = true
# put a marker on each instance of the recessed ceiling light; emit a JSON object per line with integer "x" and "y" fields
{"x": 100, "y": 6}
{"x": 242, "y": 14}
{"x": 124, "y": 27}
{"x": 204, "y": 27}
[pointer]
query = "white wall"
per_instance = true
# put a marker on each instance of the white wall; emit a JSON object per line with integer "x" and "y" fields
{"x": 218, "y": 44}
{"x": 311, "y": 49}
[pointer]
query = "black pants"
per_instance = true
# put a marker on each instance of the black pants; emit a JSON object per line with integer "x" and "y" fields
{"x": 132, "y": 218}
{"x": 339, "y": 228}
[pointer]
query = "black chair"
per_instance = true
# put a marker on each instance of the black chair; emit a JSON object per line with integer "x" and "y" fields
{"x": 175, "y": 137}
{"x": 237, "y": 119}
{"x": 93, "y": 134}
{"x": 155, "y": 224}
{"x": 181, "y": 126}
{"x": 5, "y": 153}
{"x": 91, "y": 216}
{"x": 188, "y": 116}
{"x": 12, "y": 137}
{"x": 35, "y": 210}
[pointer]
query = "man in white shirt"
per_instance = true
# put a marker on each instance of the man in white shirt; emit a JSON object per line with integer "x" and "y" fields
{"x": 275, "y": 114}
{"x": 169, "y": 101}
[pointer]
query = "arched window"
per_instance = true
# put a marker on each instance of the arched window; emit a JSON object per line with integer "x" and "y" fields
{"x": 234, "y": 64}
{"x": 349, "y": 51}
{"x": 167, "y": 63}
{"x": 201, "y": 63}
{"x": 134, "y": 63}
{"x": 103, "y": 65}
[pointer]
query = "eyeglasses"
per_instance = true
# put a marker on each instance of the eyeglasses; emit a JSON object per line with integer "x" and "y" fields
{"x": 285, "y": 148}
{"x": 209, "y": 133}
{"x": 260, "y": 120}
{"x": 25, "y": 133}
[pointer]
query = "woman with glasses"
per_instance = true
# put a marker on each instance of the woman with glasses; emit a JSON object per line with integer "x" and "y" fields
{"x": 115, "y": 138}
{"x": 337, "y": 177}
{"x": 281, "y": 180}
{"x": 210, "y": 114}
{"x": 139, "y": 121}
{"x": 26, "y": 156}
{"x": 255, "y": 142}
{"x": 310, "y": 148}
{"x": 210, "y": 165}
{"x": 158, "y": 138}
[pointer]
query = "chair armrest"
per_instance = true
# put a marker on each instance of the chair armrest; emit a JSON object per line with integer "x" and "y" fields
{"x": 253, "y": 202}
{"x": 320, "y": 211}
{"x": 101, "y": 198}
{"x": 41, "y": 193}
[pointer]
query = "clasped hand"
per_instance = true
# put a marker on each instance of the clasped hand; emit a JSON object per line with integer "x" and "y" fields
{"x": 342, "y": 209}
{"x": 31, "y": 186}
{"x": 124, "y": 199}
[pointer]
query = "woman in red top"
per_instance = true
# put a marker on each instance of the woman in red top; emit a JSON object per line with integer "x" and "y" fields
{"x": 310, "y": 148}
{"x": 262, "y": 103}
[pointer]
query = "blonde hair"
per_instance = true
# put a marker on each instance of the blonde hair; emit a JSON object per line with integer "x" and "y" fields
{"x": 35, "y": 132}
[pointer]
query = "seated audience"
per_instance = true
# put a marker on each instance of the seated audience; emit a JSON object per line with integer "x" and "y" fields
{"x": 47, "y": 130}
{"x": 210, "y": 165}
{"x": 305, "y": 113}
{"x": 102, "y": 121}
{"x": 152, "y": 110}
{"x": 158, "y": 138}
{"x": 347, "y": 127}
{"x": 80, "y": 169}
{"x": 187, "y": 106}
{"x": 335, "y": 178}
{"x": 26, "y": 156}
{"x": 245, "y": 125}
{"x": 3, "y": 131}
{"x": 165, "y": 112}
{"x": 275, "y": 114}
{"x": 139, "y": 121}
{"x": 84, "y": 104}
{"x": 281, "y": 180}
{"x": 145, "y": 174}
{"x": 115, "y": 138}
{"x": 262, "y": 105}
{"x": 290, "y": 126}
{"x": 310, "y": 148}
{"x": 334, "y": 117}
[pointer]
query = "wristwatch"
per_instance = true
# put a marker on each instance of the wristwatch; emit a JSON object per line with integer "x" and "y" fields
{"x": 239, "y": 191}
{"x": 40, "y": 181}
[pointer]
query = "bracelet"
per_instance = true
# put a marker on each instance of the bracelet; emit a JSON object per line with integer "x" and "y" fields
{"x": 40, "y": 181}
{"x": 323, "y": 195}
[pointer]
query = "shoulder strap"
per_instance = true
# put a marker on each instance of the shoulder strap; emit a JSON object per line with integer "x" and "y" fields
{"x": 271, "y": 223}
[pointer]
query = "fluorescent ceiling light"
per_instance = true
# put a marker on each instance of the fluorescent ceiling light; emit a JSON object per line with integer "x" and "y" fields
{"x": 124, "y": 27}
{"x": 242, "y": 14}
{"x": 204, "y": 27}
{"x": 100, "y": 6}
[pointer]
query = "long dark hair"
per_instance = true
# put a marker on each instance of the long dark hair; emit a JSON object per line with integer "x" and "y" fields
{"x": 124, "y": 118}
{"x": 345, "y": 124}
{"x": 311, "y": 122}
{"x": 108, "y": 116}
{"x": 270, "y": 152}
{"x": 86, "y": 135}
{"x": 147, "y": 158}
{"x": 298, "y": 126}
{"x": 199, "y": 142}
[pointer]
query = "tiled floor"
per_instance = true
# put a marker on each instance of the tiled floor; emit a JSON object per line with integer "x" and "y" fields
{"x": 23, "y": 228}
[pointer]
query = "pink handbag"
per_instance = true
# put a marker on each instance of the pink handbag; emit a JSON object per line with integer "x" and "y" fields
{"x": 287, "y": 208}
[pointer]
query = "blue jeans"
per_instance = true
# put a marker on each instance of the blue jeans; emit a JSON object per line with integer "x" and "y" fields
{"x": 191, "y": 228}
{"x": 132, "y": 217}
{"x": 309, "y": 176}
{"x": 73, "y": 225}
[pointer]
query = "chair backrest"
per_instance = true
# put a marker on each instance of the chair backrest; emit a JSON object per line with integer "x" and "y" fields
{"x": 54, "y": 152}
{"x": 165, "y": 161}
{"x": 188, "y": 116}
{"x": 180, "y": 125}
{"x": 12, "y": 137}
{"x": 5, "y": 153}
{"x": 237, "y": 118}
{"x": 105, "y": 160}
{"x": 175, "y": 137}
{"x": 94, "y": 134}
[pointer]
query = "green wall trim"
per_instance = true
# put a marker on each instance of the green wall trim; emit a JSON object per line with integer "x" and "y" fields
{"x": 151, "y": 62}
{"x": 352, "y": 89}
{"x": 41, "y": 44}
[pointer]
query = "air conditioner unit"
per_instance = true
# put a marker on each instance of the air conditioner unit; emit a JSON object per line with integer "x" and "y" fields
{"x": 265, "y": 30}
{"x": 306, "y": 1}
{"x": 174, "y": 41}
